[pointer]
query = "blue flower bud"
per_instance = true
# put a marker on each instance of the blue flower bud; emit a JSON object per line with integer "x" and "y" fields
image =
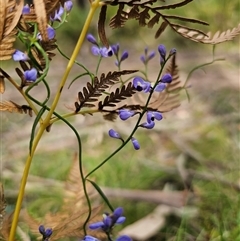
{"x": 19, "y": 56}
{"x": 167, "y": 78}
{"x": 68, "y": 6}
{"x": 90, "y": 238}
{"x": 160, "y": 87}
{"x": 172, "y": 51}
{"x": 30, "y": 75}
{"x": 124, "y": 56}
{"x": 50, "y": 32}
{"x": 112, "y": 133}
{"x": 124, "y": 238}
{"x": 96, "y": 225}
{"x": 162, "y": 51}
{"x": 91, "y": 39}
{"x": 48, "y": 232}
{"x": 26, "y": 9}
{"x": 124, "y": 114}
{"x": 41, "y": 229}
{"x": 115, "y": 49}
{"x": 135, "y": 143}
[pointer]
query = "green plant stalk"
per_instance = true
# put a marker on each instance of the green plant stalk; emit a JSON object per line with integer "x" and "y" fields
{"x": 45, "y": 123}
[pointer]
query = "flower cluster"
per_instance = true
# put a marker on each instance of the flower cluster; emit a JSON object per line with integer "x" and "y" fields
{"x": 97, "y": 50}
{"x": 46, "y": 233}
{"x": 106, "y": 225}
{"x": 146, "y": 57}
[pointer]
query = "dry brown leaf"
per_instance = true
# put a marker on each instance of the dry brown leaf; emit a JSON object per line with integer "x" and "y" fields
{"x": 2, "y": 84}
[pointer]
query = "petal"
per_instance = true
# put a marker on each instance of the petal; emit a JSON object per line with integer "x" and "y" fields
{"x": 30, "y": 75}
{"x": 148, "y": 125}
{"x": 124, "y": 56}
{"x": 19, "y": 55}
{"x": 68, "y": 6}
{"x": 157, "y": 115}
{"x": 103, "y": 52}
{"x": 151, "y": 55}
{"x": 162, "y": 51}
{"x": 143, "y": 59}
{"x": 118, "y": 212}
{"x": 172, "y": 51}
{"x": 167, "y": 78}
{"x": 95, "y": 50}
{"x": 135, "y": 143}
{"x": 124, "y": 114}
{"x": 115, "y": 49}
{"x": 124, "y": 238}
{"x": 48, "y": 232}
{"x": 41, "y": 229}
{"x": 141, "y": 85}
{"x": 96, "y": 225}
{"x": 89, "y": 238}
{"x": 112, "y": 133}
{"x": 91, "y": 39}
{"x": 160, "y": 87}
{"x": 122, "y": 219}
{"x": 26, "y": 9}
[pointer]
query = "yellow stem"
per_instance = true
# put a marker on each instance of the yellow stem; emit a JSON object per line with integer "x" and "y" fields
{"x": 45, "y": 123}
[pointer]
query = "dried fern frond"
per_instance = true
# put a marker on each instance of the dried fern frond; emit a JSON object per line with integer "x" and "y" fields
{"x": 142, "y": 11}
{"x": 69, "y": 220}
{"x": 12, "y": 107}
{"x": 218, "y": 37}
{"x": 10, "y": 13}
{"x": 90, "y": 94}
{"x": 2, "y": 84}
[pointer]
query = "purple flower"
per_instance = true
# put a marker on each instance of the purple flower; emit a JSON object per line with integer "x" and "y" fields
{"x": 135, "y": 143}
{"x": 152, "y": 115}
{"x": 19, "y": 56}
{"x": 101, "y": 51}
{"x": 167, "y": 78}
{"x": 141, "y": 85}
{"x": 112, "y": 133}
{"x": 115, "y": 49}
{"x": 160, "y": 87}
{"x": 58, "y": 13}
{"x": 51, "y": 33}
{"x": 162, "y": 51}
{"x": 89, "y": 238}
{"x": 124, "y": 238}
{"x": 124, "y": 56}
{"x": 148, "y": 125}
{"x": 26, "y": 9}
{"x": 68, "y": 6}
{"x": 46, "y": 233}
{"x": 30, "y": 75}
{"x": 109, "y": 220}
{"x": 91, "y": 39}
{"x": 124, "y": 114}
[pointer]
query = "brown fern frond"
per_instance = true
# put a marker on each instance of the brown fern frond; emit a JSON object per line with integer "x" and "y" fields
{"x": 69, "y": 220}
{"x": 2, "y": 84}
{"x": 11, "y": 107}
{"x": 119, "y": 19}
{"x": 161, "y": 29}
{"x": 10, "y": 13}
{"x": 218, "y": 37}
{"x": 143, "y": 17}
{"x": 91, "y": 93}
{"x": 42, "y": 20}
{"x": 101, "y": 26}
{"x": 154, "y": 20}
{"x": 117, "y": 96}
{"x": 134, "y": 12}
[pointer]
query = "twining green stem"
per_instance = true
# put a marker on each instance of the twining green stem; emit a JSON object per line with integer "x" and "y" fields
{"x": 45, "y": 122}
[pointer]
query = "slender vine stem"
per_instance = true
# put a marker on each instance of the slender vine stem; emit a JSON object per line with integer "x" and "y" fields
{"x": 45, "y": 122}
